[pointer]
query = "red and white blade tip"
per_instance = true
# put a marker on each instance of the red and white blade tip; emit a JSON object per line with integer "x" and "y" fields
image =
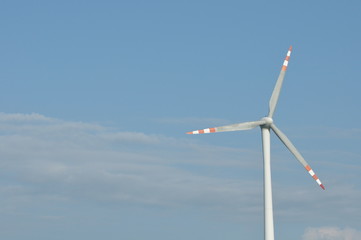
{"x": 285, "y": 62}
{"x": 207, "y": 130}
{"x": 314, "y": 176}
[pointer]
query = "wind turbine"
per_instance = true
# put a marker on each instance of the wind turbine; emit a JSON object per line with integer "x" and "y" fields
{"x": 266, "y": 124}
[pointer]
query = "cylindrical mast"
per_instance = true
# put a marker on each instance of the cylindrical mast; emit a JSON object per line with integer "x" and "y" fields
{"x": 268, "y": 208}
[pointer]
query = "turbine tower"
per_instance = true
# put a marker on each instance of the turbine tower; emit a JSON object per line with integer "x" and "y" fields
{"x": 266, "y": 124}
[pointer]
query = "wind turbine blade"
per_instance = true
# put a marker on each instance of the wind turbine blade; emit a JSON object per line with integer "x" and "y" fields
{"x": 276, "y": 91}
{"x": 296, "y": 153}
{"x": 232, "y": 127}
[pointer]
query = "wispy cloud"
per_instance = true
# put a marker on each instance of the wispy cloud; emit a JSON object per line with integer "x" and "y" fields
{"x": 19, "y": 117}
{"x": 194, "y": 120}
{"x": 322, "y": 132}
{"x": 45, "y": 158}
{"x": 132, "y": 137}
{"x": 74, "y": 160}
{"x": 331, "y": 233}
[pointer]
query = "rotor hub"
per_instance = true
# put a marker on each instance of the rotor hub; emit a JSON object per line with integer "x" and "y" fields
{"x": 268, "y": 121}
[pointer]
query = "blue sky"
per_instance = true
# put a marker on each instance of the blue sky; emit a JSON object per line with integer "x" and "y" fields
{"x": 96, "y": 97}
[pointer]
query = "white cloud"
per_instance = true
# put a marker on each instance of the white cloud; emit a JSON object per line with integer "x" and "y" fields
{"x": 193, "y": 120}
{"x": 331, "y": 233}
{"x": 132, "y": 137}
{"x": 71, "y": 161}
{"x": 322, "y": 132}
{"x": 19, "y": 117}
